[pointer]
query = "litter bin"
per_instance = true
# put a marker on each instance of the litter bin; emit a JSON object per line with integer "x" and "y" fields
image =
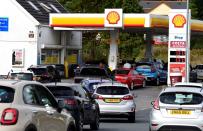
{"x": 175, "y": 77}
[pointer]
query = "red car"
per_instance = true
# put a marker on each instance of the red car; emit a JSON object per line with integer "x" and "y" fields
{"x": 130, "y": 77}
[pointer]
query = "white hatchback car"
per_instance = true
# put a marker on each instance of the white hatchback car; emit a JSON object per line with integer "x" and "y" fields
{"x": 115, "y": 99}
{"x": 178, "y": 109}
{"x": 29, "y": 106}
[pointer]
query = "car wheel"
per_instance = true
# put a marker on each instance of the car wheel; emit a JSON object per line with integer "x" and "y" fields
{"x": 131, "y": 117}
{"x": 31, "y": 128}
{"x": 79, "y": 125}
{"x": 95, "y": 124}
{"x": 144, "y": 83}
{"x": 71, "y": 128}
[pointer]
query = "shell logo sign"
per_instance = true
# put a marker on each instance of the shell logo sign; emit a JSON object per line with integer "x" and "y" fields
{"x": 179, "y": 21}
{"x": 113, "y": 17}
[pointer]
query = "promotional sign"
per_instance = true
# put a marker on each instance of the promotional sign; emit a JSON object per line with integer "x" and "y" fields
{"x": 18, "y": 57}
{"x": 177, "y": 46}
{"x": 3, "y": 24}
{"x": 113, "y": 18}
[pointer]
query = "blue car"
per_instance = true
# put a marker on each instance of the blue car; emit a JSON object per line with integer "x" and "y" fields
{"x": 152, "y": 71}
{"x": 89, "y": 83}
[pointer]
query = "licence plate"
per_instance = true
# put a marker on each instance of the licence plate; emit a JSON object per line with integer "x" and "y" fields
{"x": 112, "y": 100}
{"x": 180, "y": 112}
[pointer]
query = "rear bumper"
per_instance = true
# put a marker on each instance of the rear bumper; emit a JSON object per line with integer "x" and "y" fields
{"x": 11, "y": 128}
{"x": 117, "y": 109}
{"x": 158, "y": 122}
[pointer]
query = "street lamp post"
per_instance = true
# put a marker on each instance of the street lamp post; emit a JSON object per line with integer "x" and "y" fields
{"x": 188, "y": 44}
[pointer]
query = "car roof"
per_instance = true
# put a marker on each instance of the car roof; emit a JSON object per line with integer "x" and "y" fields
{"x": 61, "y": 84}
{"x": 92, "y": 80}
{"x": 182, "y": 89}
{"x": 114, "y": 83}
{"x": 20, "y": 71}
{"x": 38, "y": 66}
{"x": 188, "y": 84}
{"x": 14, "y": 83}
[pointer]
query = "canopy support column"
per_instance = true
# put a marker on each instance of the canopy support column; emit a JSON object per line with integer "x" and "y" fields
{"x": 149, "y": 40}
{"x": 113, "y": 52}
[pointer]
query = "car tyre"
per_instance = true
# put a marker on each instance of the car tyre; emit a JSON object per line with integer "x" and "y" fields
{"x": 131, "y": 117}
{"x": 95, "y": 124}
{"x": 79, "y": 126}
{"x": 31, "y": 128}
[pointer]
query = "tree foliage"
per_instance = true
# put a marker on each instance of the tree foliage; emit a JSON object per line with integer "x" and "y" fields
{"x": 129, "y": 45}
{"x": 197, "y": 8}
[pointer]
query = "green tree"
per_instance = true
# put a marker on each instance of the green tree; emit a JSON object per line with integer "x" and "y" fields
{"x": 197, "y": 8}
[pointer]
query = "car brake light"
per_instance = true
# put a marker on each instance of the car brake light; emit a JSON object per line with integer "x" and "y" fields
{"x": 128, "y": 97}
{"x": 9, "y": 116}
{"x": 70, "y": 102}
{"x": 99, "y": 97}
{"x": 156, "y": 104}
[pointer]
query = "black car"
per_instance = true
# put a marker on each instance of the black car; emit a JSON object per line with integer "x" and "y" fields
{"x": 59, "y": 67}
{"x": 91, "y": 71}
{"x": 45, "y": 73}
{"x": 78, "y": 102}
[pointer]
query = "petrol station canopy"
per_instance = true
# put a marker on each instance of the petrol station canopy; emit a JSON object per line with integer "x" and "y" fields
{"x": 140, "y": 22}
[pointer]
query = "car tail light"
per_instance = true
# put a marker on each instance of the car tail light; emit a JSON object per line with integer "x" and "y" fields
{"x": 9, "y": 116}
{"x": 128, "y": 97}
{"x": 70, "y": 102}
{"x": 153, "y": 69}
{"x": 98, "y": 97}
{"x": 156, "y": 104}
{"x": 45, "y": 75}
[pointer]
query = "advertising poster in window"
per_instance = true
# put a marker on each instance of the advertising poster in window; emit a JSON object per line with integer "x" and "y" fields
{"x": 18, "y": 57}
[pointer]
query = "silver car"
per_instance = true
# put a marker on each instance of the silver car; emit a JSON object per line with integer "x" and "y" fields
{"x": 29, "y": 106}
{"x": 115, "y": 99}
{"x": 178, "y": 109}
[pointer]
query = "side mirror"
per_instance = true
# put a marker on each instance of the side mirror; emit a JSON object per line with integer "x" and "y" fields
{"x": 61, "y": 105}
{"x": 152, "y": 103}
{"x": 94, "y": 96}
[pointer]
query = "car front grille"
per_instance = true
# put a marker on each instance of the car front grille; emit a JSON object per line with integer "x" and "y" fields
{"x": 179, "y": 128}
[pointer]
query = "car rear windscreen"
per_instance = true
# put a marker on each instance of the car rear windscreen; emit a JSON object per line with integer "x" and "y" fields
{"x": 92, "y": 72}
{"x": 22, "y": 76}
{"x": 112, "y": 90}
{"x": 39, "y": 71}
{"x": 122, "y": 72}
{"x": 181, "y": 98}
{"x": 199, "y": 66}
{"x": 144, "y": 66}
{"x": 61, "y": 91}
{"x": 6, "y": 94}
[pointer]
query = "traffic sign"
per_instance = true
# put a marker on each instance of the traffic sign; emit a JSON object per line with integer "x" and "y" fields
{"x": 3, "y": 24}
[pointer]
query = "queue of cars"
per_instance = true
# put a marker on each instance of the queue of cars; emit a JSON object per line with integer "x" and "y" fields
{"x": 51, "y": 105}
